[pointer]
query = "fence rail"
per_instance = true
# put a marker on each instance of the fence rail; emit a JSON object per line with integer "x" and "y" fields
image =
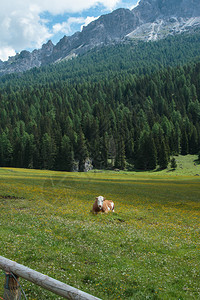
{"x": 48, "y": 283}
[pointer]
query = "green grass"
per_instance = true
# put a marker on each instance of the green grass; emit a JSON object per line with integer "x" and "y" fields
{"x": 148, "y": 249}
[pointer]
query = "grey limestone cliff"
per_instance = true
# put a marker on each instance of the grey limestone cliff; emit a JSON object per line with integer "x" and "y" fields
{"x": 150, "y": 20}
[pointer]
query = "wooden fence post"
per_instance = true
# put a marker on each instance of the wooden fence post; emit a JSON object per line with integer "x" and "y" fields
{"x": 11, "y": 288}
{"x": 48, "y": 283}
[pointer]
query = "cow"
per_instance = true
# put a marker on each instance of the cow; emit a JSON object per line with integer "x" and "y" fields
{"x": 102, "y": 205}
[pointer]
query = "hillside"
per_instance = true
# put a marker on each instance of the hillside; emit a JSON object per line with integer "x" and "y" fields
{"x": 133, "y": 57}
{"x": 150, "y": 20}
{"x": 57, "y": 119}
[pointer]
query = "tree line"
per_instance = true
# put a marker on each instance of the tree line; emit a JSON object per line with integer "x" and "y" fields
{"x": 130, "y": 57}
{"x": 125, "y": 121}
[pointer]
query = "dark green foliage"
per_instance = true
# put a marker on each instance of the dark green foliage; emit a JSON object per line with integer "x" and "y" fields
{"x": 48, "y": 152}
{"x": 6, "y": 150}
{"x": 115, "y": 105}
{"x": 82, "y": 152}
{"x": 164, "y": 156}
{"x": 147, "y": 154}
{"x": 184, "y": 143}
{"x": 66, "y": 154}
{"x": 120, "y": 160}
{"x": 173, "y": 163}
{"x": 133, "y": 57}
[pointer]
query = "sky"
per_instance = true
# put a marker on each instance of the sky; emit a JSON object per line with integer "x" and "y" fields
{"x": 28, "y": 24}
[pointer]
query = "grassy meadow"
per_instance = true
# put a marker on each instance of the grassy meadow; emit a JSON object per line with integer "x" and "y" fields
{"x": 148, "y": 249}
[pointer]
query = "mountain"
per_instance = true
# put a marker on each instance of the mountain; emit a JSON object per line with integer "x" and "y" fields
{"x": 50, "y": 122}
{"x": 160, "y": 18}
{"x": 150, "y": 20}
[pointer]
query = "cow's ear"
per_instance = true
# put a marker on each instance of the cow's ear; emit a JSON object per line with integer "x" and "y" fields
{"x": 104, "y": 198}
{"x": 96, "y": 198}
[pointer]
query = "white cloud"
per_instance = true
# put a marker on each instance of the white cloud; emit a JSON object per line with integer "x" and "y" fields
{"x": 22, "y": 27}
{"x": 65, "y": 27}
{"x": 61, "y": 6}
{"x": 88, "y": 20}
{"x": 5, "y": 52}
{"x": 133, "y": 6}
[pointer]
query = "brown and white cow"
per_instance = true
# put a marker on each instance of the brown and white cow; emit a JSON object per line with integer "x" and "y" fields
{"x": 102, "y": 205}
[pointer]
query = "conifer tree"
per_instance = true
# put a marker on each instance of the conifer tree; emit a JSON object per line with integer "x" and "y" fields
{"x": 120, "y": 160}
{"x": 173, "y": 163}
{"x": 163, "y": 157}
{"x": 152, "y": 152}
{"x": 66, "y": 154}
{"x": 184, "y": 143}
{"x": 146, "y": 154}
{"x": 82, "y": 151}
{"x": 193, "y": 141}
{"x": 6, "y": 150}
{"x": 47, "y": 152}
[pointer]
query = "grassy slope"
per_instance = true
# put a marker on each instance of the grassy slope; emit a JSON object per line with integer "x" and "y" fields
{"x": 148, "y": 249}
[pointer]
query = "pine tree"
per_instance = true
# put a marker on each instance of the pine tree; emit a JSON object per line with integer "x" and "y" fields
{"x": 29, "y": 151}
{"x": 163, "y": 161}
{"x": 184, "y": 143}
{"x": 66, "y": 154}
{"x": 120, "y": 160}
{"x": 105, "y": 142}
{"x": 173, "y": 163}
{"x": 193, "y": 141}
{"x": 48, "y": 152}
{"x": 82, "y": 151}
{"x": 152, "y": 153}
{"x": 6, "y": 150}
{"x": 146, "y": 154}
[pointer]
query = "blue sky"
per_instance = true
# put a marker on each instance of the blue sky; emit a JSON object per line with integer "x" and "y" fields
{"x": 27, "y": 24}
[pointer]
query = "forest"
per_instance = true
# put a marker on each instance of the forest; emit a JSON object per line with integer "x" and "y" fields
{"x": 132, "y": 105}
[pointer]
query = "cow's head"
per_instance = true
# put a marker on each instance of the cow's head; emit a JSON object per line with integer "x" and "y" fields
{"x": 100, "y": 200}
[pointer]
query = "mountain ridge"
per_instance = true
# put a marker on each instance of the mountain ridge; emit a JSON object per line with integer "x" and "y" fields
{"x": 149, "y": 20}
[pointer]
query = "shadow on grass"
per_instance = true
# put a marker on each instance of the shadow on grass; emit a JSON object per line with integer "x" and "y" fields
{"x": 171, "y": 170}
{"x": 196, "y": 162}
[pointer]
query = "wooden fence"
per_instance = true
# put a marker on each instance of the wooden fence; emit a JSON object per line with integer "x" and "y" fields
{"x": 48, "y": 283}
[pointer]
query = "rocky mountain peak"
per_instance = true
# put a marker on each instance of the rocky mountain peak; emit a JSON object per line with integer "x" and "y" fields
{"x": 159, "y": 18}
{"x": 149, "y": 20}
{"x": 152, "y": 9}
{"x": 48, "y": 46}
